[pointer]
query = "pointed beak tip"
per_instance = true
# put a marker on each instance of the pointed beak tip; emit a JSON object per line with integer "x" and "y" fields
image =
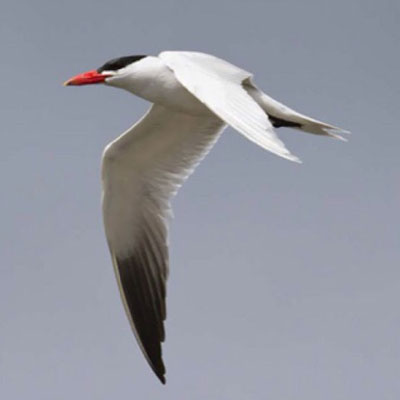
{"x": 87, "y": 78}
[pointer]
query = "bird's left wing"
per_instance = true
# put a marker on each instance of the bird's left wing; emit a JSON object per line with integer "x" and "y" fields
{"x": 219, "y": 85}
{"x": 141, "y": 171}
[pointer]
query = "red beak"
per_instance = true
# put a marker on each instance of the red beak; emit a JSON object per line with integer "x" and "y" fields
{"x": 87, "y": 78}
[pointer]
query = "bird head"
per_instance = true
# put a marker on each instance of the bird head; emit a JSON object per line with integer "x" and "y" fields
{"x": 110, "y": 69}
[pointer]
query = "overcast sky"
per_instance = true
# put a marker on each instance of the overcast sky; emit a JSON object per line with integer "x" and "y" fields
{"x": 285, "y": 280}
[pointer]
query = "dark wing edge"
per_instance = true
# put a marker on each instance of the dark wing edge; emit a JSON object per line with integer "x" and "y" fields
{"x": 143, "y": 293}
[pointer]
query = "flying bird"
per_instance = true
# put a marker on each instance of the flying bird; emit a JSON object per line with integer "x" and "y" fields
{"x": 194, "y": 97}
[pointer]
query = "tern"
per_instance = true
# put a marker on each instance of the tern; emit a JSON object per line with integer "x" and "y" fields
{"x": 194, "y": 97}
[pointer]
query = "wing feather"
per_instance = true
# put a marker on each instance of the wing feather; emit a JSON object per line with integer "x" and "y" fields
{"x": 219, "y": 85}
{"x": 142, "y": 170}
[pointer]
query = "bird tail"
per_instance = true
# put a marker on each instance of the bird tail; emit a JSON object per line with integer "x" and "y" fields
{"x": 283, "y": 116}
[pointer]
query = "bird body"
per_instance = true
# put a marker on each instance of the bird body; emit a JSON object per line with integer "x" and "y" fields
{"x": 195, "y": 96}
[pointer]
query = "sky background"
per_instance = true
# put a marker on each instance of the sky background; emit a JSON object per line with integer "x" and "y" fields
{"x": 285, "y": 280}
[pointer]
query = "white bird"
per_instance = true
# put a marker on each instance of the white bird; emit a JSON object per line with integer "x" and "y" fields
{"x": 195, "y": 96}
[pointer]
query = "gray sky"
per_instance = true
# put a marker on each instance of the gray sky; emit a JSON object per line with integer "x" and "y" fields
{"x": 285, "y": 279}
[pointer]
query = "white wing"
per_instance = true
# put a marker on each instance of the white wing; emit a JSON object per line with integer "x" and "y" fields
{"x": 142, "y": 170}
{"x": 219, "y": 85}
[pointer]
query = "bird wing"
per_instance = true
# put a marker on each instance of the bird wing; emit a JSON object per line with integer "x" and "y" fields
{"x": 141, "y": 171}
{"x": 219, "y": 85}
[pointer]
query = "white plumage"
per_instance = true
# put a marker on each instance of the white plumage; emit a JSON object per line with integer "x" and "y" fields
{"x": 195, "y": 96}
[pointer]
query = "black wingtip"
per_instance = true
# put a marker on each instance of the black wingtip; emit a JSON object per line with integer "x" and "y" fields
{"x": 159, "y": 372}
{"x": 146, "y": 313}
{"x": 162, "y": 379}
